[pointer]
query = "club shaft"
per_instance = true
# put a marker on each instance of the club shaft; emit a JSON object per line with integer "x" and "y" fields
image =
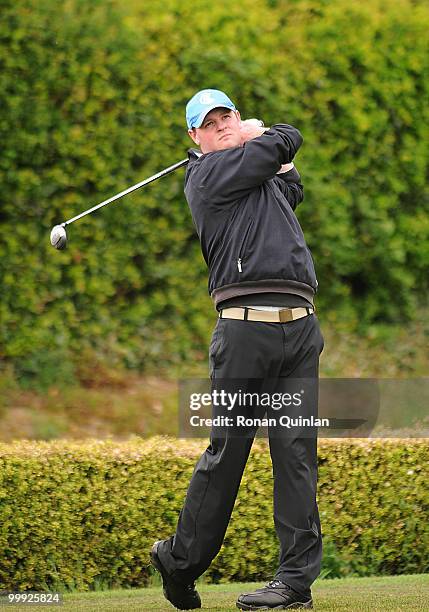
{"x": 158, "y": 175}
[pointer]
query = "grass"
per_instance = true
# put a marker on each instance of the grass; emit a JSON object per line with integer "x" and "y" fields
{"x": 110, "y": 402}
{"x": 390, "y": 593}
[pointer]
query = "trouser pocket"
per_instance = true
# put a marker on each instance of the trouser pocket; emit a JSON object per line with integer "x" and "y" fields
{"x": 216, "y": 345}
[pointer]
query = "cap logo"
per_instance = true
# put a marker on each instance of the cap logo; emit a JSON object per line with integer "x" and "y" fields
{"x": 207, "y": 98}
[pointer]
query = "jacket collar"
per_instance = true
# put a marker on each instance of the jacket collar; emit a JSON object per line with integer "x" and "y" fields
{"x": 194, "y": 154}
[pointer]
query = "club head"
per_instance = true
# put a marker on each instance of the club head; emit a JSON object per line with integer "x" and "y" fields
{"x": 59, "y": 237}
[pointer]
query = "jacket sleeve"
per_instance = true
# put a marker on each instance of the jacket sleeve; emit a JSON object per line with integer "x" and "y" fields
{"x": 224, "y": 176}
{"x": 290, "y": 185}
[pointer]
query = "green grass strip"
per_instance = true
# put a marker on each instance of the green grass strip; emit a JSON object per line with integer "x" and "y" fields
{"x": 390, "y": 593}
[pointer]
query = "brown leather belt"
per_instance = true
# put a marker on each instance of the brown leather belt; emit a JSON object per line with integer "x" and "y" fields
{"x": 285, "y": 315}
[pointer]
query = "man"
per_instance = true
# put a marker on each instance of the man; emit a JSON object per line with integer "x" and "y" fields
{"x": 242, "y": 192}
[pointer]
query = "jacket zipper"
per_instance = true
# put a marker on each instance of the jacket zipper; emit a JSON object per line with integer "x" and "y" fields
{"x": 241, "y": 252}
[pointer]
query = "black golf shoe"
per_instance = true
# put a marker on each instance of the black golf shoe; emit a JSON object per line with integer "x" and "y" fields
{"x": 182, "y": 596}
{"x": 275, "y": 596}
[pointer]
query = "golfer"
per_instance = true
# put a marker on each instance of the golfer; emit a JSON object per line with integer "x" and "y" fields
{"x": 242, "y": 192}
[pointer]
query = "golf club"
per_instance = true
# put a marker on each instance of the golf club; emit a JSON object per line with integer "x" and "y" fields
{"x": 58, "y": 232}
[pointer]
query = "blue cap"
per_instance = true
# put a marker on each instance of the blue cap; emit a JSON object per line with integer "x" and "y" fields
{"x": 202, "y": 103}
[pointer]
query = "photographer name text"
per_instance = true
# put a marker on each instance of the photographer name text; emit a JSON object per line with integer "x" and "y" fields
{"x": 243, "y": 421}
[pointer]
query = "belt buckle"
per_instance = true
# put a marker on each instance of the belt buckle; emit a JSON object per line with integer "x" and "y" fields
{"x": 285, "y": 315}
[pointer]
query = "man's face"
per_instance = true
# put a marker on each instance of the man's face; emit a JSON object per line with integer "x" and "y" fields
{"x": 219, "y": 130}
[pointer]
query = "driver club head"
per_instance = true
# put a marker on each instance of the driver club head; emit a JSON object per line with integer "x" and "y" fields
{"x": 59, "y": 237}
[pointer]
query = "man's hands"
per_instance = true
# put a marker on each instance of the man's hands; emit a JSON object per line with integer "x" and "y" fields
{"x": 286, "y": 168}
{"x": 250, "y": 129}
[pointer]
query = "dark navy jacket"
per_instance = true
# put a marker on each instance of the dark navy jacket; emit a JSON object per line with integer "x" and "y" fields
{"x": 244, "y": 214}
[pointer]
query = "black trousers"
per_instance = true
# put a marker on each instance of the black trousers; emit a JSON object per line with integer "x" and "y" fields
{"x": 266, "y": 355}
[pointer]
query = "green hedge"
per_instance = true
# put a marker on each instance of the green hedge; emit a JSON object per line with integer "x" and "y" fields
{"x": 78, "y": 515}
{"x": 92, "y": 99}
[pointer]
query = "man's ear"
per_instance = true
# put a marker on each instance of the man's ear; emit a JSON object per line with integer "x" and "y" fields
{"x": 238, "y": 115}
{"x": 193, "y": 134}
